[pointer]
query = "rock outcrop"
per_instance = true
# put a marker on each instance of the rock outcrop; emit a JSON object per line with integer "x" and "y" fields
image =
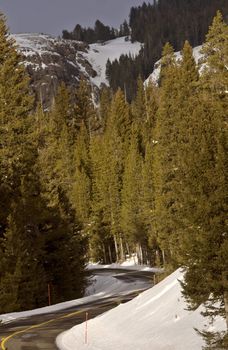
{"x": 50, "y": 61}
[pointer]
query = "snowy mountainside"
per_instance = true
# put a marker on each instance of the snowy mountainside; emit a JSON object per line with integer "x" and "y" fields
{"x": 51, "y": 60}
{"x": 154, "y": 76}
{"x": 99, "y": 53}
{"x": 155, "y": 320}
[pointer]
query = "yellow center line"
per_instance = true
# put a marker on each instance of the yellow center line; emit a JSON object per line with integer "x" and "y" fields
{"x": 37, "y": 326}
{"x": 5, "y": 340}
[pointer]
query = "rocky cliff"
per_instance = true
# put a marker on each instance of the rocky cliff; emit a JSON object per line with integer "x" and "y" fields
{"x": 50, "y": 61}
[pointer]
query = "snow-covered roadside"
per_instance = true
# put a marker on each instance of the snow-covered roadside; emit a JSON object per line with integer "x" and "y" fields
{"x": 156, "y": 320}
{"x": 101, "y": 286}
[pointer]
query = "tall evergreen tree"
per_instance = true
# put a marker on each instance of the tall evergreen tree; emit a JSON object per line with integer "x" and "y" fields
{"x": 116, "y": 138}
{"x": 65, "y": 245}
{"x": 204, "y": 242}
{"x": 165, "y": 154}
{"x": 100, "y": 236}
{"x": 132, "y": 222}
{"x": 84, "y": 106}
{"x": 15, "y": 105}
{"x": 81, "y": 191}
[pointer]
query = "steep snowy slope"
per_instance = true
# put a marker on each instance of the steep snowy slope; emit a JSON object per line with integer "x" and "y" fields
{"x": 98, "y": 54}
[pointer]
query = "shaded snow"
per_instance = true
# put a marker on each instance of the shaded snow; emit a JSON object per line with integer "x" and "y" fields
{"x": 155, "y": 320}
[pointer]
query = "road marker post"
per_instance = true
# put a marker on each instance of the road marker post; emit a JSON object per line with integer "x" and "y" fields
{"x": 86, "y": 328}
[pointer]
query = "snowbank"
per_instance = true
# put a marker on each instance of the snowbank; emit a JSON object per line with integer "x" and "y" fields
{"x": 156, "y": 320}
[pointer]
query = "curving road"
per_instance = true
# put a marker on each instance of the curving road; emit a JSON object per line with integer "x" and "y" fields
{"x": 40, "y": 331}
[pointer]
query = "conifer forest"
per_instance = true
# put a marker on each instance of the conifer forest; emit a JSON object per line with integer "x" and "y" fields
{"x": 85, "y": 181}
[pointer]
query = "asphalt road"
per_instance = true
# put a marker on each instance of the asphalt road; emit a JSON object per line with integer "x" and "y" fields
{"x": 40, "y": 331}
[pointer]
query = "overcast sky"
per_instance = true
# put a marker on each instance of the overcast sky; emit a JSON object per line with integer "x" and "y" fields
{"x": 51, "y": 16}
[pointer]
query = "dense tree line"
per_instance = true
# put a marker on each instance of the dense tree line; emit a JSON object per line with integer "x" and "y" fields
{"x": 152, "y": 181}
{"x": 156, "y": 180}
{"x": 100, "y": 32}
{"x": 155, "y": 24}
{"x": 41, "y": 238}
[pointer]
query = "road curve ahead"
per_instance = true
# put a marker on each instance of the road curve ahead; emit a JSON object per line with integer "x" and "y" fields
{"x": 39, "y": 332}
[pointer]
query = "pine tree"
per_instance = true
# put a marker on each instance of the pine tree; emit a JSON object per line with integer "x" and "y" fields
{"x": 104, "y": 106}
{"x": 215, "y": 52}
{"x": 23, "y": 247}
{"x": 116, "y": 140}
{"x": 100, "y": 237}
{"x": 84, "y": 107}
{"x": 108, "y": 152}
{"x": 65, "y": 244}
{"x": 152, "y": 102}
{"x": 139, "y": 114}
{"x": 16, "y": 156}
{"x": 148, "y": 176}
{"x": 204, "y": 242}
{"x": 81, "y": 191}
{"x": 148, "y": 203}
{"x": 132, "y": 222}
{"x": 165, "y": 154}
{"x": 15, "y": 105}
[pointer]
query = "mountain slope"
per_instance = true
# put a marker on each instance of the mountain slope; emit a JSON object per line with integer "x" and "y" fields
{"x": 50, "y": 61}
{"x": 98, "y": 54}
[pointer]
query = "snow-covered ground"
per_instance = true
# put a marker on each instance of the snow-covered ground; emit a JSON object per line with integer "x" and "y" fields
{"x": 157, "y": 67}
{"x": 101, "y": 286}
{"x": 155, "y": 320}
{"x": 99, "y": 53}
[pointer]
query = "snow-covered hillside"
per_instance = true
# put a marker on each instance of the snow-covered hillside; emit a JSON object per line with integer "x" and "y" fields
{"x": 51, "y": 60}
{"x": 156, "y": 320}
{"x": 157, "y": 67}
{"x": 98, "y": 54}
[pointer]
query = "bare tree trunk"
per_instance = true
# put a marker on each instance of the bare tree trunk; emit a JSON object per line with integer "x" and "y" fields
{"x": 110, "y": 254}
{"x": 226, "y": 307}
{"x": 121, "y": 249}
{"x": 104, "y": 253}
{"x": 128, "y": 250}
{"x": 137, "y": 253}
{"x": 116, "y": 248}
{"x": 141, "y": 253}
{"x": 163, "y": 257}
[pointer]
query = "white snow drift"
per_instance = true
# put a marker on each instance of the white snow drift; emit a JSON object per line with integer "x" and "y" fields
{"x": 156, "y": 320}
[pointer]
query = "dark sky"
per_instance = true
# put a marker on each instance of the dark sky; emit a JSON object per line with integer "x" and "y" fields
{"x": 51, "y": 16}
